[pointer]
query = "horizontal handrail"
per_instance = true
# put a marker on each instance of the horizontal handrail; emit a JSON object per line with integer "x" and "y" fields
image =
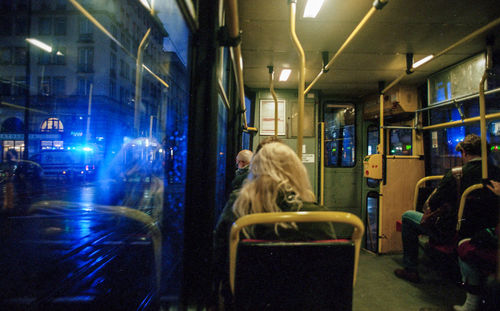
{"x": 419, "y": 183}
{"x": 463, "y": 199}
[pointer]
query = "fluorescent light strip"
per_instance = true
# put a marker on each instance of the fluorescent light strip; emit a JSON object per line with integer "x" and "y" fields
{"x": 40, "y": 44}
{"x": 285, "y": 73}
{"x": 422, "y": 61}
{"x": 146, "y": 4}
{"x": 312, "y": 8}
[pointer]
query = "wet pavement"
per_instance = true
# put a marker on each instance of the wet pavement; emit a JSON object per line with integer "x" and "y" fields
{"x": 69, "y": 246}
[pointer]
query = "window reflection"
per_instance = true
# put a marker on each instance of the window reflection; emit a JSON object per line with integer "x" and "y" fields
{"x": 117, "y": 129}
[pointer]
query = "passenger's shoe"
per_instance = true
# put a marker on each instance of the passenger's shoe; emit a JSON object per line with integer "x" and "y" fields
{"x": 471, "y": 303}
{"x": 407, "y": 275}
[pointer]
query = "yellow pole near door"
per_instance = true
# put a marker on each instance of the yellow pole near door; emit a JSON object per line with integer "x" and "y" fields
{"x": 381, "y": 150}
{"x": 302, "y": 74}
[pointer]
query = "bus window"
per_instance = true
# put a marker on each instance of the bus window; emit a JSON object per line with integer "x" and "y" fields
{"x": 494, "y": 140}
{"x": 372, "y": 139}
{"x": 340, "y": 135}
{"x": 400, "y": 142}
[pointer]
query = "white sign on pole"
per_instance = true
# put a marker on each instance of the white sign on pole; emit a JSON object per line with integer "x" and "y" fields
{"x": 267, "y": 117}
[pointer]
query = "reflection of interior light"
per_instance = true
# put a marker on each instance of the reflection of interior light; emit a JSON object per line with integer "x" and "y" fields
{"x": 312, "y": 8}
{"x": 59, "y": 53}
{"x": 422, "y": 61}
{"x": 285, "y": 73}
{"x": 146, "y": 4}
{"x": 40, "y": 44}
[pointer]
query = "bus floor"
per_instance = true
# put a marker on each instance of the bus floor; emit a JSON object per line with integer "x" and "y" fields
{"x": 377, "y": 288}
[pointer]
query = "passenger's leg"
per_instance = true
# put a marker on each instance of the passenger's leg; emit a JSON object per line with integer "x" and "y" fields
{"x": 471, "y": 276}
{"x": 410, "y": 232}
{"x": 411, "y": 229}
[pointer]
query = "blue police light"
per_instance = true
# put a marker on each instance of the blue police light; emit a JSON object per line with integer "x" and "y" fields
{"x": 87, "y": 149}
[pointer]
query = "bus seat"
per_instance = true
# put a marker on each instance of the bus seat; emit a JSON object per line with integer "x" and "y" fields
{"x": 277, "y": 275}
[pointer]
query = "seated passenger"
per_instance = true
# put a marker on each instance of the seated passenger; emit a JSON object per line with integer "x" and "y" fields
{"x": 242, "y": 162}
{"x": 278, "y": 182}
{"x": 444, "y": 203}
{"x": 478, "y": 257}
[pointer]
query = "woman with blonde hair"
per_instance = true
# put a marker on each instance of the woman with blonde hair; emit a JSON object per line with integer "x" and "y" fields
{"x": 277, "y": 182}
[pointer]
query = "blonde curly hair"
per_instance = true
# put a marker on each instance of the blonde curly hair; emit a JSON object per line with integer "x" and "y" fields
{"x": 275, "y": 172}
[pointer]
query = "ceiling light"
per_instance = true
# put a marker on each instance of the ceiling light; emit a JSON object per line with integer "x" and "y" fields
{"x": 312, "y": 8}
{"x": 145, "y": 4}
{"x": 422, "y": 61}
{"x": 40, "y": 44}
{"x": 285, "y": 73}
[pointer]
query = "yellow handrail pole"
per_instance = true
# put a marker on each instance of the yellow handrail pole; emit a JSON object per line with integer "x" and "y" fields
{"x": 267, "y": 218}
{"x": 344, "y": 45}
{"x": 454, "y": 45}
{"x": 232, "y": 22}
{"x": 381, "y": 145}
{"x": 138, "y": 82}
{"x": 273, "y": 93}
{"x": 463, "y": 198}
{"x": 322, "y": 167}
{"x": 491, "y": 116}
{"x": 482, "y": 113}
{"x": 381, "y": 151}
{"x": 420, "y": 182}
{"x": 302, "y": 74}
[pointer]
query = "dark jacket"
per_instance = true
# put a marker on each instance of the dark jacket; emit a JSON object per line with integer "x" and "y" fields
{"x": 480, "y": 210}
{"x": 239, "y": 177}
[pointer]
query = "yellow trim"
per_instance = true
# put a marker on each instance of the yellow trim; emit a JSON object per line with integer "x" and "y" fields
{"x": 124, "y": 211}
{"x": 266, "y": 218}
{"x": 302, "y": 76}
{"x": 419, "y": 183}
{"x": 462, "y": 202}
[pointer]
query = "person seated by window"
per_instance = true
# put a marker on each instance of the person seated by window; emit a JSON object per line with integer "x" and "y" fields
{"x": 477, "y": 259}
{"x": 444, "y": 202}
{"x": 242, "y": 162}
{"x": 277, "y": 182}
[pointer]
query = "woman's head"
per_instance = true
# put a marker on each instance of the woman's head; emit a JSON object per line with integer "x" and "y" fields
{"x": 275, "y": 171}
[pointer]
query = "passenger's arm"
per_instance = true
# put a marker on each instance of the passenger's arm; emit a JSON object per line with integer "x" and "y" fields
{"x": 446, "y": 192}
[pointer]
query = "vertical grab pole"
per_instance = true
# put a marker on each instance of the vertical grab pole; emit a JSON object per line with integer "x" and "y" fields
{"x": 482, "y": 113}
{"x": 381, "y": 145}
{"x": 322, "y": 167}
{"x": 381, "y": 151}
{"x": 302, "y": 73}
{"x": 273, "y": 93}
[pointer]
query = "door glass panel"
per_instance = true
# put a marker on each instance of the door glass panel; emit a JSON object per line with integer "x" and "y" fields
{"x": 340, "y": 147}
